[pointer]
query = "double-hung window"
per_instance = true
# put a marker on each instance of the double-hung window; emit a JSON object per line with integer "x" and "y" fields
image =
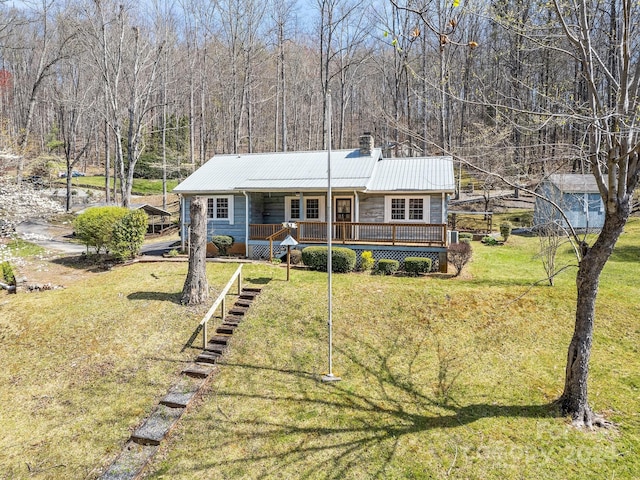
{"x": 406, "y": 209}
{"x": 220, "y": 208}
{"x": 313, "y": 208}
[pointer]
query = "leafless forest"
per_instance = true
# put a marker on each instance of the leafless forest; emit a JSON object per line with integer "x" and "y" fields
{"x": 104, "y": 82}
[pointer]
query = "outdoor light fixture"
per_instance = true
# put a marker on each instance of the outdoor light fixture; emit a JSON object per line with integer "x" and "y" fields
{"x": 289, "y": 242}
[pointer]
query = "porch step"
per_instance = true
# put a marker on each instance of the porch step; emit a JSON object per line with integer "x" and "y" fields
{"x": 243, "y": 303}
{"x": 238, "y": 311}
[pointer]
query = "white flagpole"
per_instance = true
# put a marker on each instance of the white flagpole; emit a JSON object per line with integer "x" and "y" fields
{"x": 329, "y": 377}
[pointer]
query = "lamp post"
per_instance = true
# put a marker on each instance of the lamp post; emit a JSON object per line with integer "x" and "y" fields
{"x": 289, "y": 242}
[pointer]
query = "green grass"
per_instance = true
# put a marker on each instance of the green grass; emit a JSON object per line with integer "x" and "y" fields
{"x": 21, "y": 248}
{"x": 141, "y": 186}
{"x": 441, "y": 378}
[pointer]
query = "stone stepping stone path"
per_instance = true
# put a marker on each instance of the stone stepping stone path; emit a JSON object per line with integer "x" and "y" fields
{"x": 145, "y": 441}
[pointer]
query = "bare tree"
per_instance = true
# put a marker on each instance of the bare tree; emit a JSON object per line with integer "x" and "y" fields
{"x": 34, "y": 46}
{"x": 196, "y": 285}
{"x": 611, "y": 71}
{"x": 127, "y": 63}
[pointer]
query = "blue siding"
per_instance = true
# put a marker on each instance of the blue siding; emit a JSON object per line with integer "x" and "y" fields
{"x": 273, "y": 208}
{"x": 222, "y": 227}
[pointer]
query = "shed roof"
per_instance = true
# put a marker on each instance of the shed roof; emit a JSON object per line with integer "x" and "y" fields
{"x": 307, "y": 171}
{"x": 574, "y": 182}
{"x": 150, "y": 209}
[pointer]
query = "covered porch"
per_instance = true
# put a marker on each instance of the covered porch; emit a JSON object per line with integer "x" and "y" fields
{"x": 353, "y": 233}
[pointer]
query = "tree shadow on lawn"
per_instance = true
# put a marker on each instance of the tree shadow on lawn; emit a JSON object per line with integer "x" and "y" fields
{"x": 156, "y": 296}
{"x": 341, "y": 428}
{"x": 626, "y": 253}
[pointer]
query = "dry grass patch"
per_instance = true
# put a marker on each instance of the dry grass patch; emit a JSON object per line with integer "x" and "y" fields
{"x": 84, "y": 365}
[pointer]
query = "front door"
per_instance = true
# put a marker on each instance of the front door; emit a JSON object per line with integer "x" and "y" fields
{"x": 343, "y": 210}
{"x": 344, "y": 214}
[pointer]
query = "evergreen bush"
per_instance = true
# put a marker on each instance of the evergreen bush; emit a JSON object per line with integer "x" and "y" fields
{"x": 95, "y": 226}
{"x": 343, "y": 260}
{"x": 387, "y": 266}
{"x": 505, "y": 230}
{"x": 128, "y": 234}
{"x": 223, "y": 243}
{"x": 417, "y": 265}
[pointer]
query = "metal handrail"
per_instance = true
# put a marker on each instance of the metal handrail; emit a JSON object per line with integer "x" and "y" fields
{"x": 220, "y": 301}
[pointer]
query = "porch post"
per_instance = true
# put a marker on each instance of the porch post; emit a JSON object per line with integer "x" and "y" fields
{"x": 303, "y": 209}
{"x": 246, "y": 224}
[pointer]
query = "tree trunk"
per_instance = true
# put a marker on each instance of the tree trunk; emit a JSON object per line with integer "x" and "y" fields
{"x": 196, "y": 286}
{"x": 574, "y": 400}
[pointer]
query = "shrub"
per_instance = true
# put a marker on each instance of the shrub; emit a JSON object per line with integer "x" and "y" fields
{"x": 7, "y": 273}
{"x": 223, "y": 243}
{"x": 295, "y": 257}
{"x": 367, "y": 261}
{"x": 417, "y": 265}
{"x": 459, "y": 254}
{"x": 387, "y": 266}
{"x": 128, "y": 234}
{"x": 489, "y": 240}
{"x": 343, "y": 260}
{"x": 95, "y": 226}
{"x": 505, "y": 230}
{"x": 462, "y": 236}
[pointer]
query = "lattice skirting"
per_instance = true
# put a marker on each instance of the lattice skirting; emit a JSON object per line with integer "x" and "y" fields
{"x": 261, "y": 252}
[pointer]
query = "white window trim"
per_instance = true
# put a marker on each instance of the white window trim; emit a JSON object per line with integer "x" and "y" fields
{"x": 426, "y": 208}
{"x": 215, "y": 211}
{"x": 303, "y": 208}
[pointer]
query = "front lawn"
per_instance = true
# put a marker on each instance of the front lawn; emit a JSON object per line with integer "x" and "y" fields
{"x": 441, "y": 377}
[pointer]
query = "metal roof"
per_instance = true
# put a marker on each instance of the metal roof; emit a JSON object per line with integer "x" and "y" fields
{"x": 285, "y": 170}
{"x": 413, "y": 174}
{"x": 307, "y": 171}
{"x": 574, "y": 182}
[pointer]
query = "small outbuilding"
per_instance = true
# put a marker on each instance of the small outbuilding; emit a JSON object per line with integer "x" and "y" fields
{"x": 578, "y": 197}
{"x": 159, "y": 219}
